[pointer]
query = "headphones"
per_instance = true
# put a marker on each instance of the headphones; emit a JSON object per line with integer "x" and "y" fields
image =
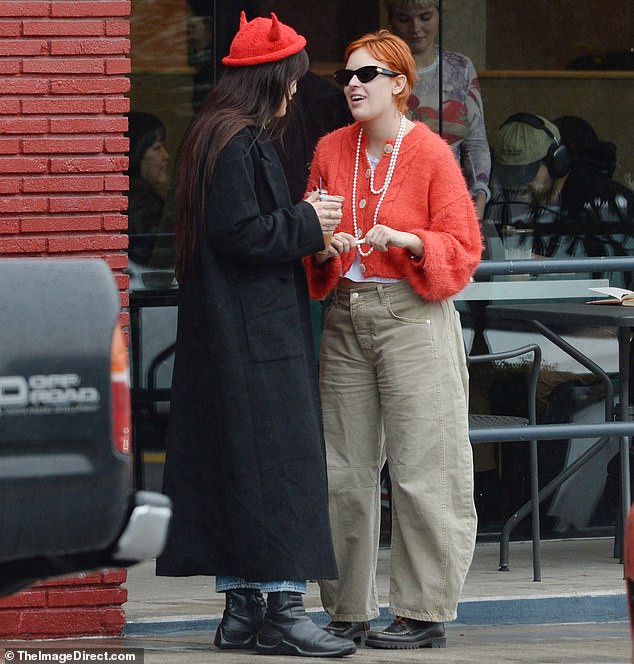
{"x": 557, "y": 158}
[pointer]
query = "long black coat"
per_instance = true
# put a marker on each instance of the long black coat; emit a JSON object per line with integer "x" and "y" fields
{"x": 245, "y": 464}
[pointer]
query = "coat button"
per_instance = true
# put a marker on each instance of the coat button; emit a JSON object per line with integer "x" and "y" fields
{"x": 367, "y": 173}
{"x": 354, "y": 296}
{"x": 362, "y": 203}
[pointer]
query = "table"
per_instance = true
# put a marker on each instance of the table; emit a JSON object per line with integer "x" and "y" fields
{"x": 529, "y": 289}
{"x": 139, "y": 300}
{"x": 573, "y": 314}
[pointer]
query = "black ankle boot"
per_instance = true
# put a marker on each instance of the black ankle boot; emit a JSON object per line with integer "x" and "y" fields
{"x": 288, "y": 630}
{"x": 241, "y": 619}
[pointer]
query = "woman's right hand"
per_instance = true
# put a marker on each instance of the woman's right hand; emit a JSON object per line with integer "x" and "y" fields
{"x": 328, "y": 212}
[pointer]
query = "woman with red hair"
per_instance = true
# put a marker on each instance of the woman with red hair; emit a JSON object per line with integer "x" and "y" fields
{"x": 393, "y": 371}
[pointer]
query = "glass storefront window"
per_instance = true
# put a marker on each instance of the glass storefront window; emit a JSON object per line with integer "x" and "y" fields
{"x": 568, "y": 62}
{"x": 572, "y": 64}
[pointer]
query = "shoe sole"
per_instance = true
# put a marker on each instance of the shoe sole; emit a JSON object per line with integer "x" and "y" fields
{"x": 285, "y": 648}
{"x": 434, "y": 642}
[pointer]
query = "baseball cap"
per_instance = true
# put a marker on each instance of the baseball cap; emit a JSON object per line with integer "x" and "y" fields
{"x": 521, "y": 148}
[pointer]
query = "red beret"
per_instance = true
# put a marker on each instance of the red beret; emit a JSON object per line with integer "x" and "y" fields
{"x": 262, "y": 40}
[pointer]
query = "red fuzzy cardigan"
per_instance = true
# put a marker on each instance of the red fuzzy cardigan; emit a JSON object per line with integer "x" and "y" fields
{"x": 427, "y": 196}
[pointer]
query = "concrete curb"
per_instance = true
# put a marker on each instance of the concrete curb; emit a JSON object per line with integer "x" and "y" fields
{"x": 536, "y": 611}
{"x": 544, "y": 610}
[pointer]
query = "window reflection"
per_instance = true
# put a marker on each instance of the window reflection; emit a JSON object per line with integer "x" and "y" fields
{"x": 200, "y": 35}
{"x": 554, "y": 194}
{"x": 524, "y": 62}
{"x": 148, "y": 173}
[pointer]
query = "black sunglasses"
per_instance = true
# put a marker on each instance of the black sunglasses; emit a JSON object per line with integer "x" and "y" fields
{"x": 364, "y": 74}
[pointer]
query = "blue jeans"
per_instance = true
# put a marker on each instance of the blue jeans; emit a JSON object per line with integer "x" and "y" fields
{"x": 224, "y": 583}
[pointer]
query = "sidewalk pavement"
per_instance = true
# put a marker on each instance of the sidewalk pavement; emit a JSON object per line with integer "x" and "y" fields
{"x": 577, "y": 613}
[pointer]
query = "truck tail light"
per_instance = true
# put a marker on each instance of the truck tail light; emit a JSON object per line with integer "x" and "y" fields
{"x": 120, "y": 381}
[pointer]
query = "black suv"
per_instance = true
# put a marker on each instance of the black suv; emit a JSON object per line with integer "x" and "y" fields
{"x": 66, "y": 496}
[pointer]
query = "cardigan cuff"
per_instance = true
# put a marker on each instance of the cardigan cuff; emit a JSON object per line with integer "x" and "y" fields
{"x": 322, "y": 278}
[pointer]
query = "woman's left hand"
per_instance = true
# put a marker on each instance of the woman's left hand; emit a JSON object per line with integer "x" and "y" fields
{"x": 343, "y": 242}
{"x": 339, "y": 244}
{"x": 382, "y": 237}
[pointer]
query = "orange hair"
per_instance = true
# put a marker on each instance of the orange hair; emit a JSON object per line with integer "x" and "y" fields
{"x": 395, "y": 53}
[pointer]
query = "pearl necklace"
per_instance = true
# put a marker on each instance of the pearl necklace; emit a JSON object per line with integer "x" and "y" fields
{"x": 382, "y": 190}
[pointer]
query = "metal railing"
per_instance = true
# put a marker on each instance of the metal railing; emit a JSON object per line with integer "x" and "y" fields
{"x": 604, "y": 431}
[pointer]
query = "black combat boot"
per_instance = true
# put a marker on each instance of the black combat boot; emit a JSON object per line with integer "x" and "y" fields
{"x": 288, "y": 630}
{"x": 241, "y": 619}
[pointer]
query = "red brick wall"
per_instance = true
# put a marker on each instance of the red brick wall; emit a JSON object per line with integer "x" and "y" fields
{"x": 88, "y": 605}
{"x": 63, "y": 81}
{"x": 63, "y": 77}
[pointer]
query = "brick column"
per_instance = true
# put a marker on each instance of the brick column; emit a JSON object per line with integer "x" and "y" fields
{"x": 63, "y": 77}
{"x": 63, "y": 72}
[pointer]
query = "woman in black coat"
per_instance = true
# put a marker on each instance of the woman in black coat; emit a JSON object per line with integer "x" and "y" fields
{"x": 245, "y": 464}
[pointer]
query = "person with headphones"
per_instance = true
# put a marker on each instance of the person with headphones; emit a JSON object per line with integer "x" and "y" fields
{"x": 530, "y": 167}
{"x": 530, "y": 161}
{"x": 545, "y": 183}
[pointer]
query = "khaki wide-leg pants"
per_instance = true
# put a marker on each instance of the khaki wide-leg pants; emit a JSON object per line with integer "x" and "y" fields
{"x": 394, "y": 385}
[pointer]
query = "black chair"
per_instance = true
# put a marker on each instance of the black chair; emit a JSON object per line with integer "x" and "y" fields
{"x": 157, "y": 394}
{"x": 146, "y": 400}
{"x": 488, "y": 423}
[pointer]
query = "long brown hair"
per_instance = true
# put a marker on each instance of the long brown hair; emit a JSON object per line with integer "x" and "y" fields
{"x": 243, "y": 97}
